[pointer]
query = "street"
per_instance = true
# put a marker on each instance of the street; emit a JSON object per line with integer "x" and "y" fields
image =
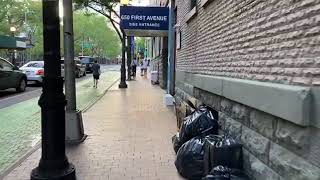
{"x": 10, "y": 97}
{"x": 20, "y": 114}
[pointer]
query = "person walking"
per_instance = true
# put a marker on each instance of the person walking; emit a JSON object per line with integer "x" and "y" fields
{"x": 134, "y": 65}
{"x": 96, "y": 73}
{"x": 144, "y": 67}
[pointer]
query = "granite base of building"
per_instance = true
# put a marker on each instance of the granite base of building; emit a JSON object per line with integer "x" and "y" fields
{"x": 274, "y": 148}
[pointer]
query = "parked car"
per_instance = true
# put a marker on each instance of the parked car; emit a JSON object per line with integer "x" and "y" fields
{"x": 11, "y": 77}
{"x": 34, "y": 71}
{"x": 88, "y": 61}
{"x": 80, "y": 69}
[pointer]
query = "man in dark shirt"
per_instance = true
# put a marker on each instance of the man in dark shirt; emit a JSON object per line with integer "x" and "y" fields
{"x": 96, "y": 73}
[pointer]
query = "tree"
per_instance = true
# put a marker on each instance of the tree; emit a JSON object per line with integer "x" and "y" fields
{"x": 102, "y": 40}
{"x": 12, "y": 13}
{"x": 107, "y": 9}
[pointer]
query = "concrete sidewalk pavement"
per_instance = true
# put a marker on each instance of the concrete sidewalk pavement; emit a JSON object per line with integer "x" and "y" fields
{"x": 130, "y": 134}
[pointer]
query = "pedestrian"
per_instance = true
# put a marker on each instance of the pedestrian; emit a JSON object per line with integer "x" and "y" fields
{"x": 144, "y": 67}
{"x": 96, "y": 73}
{"x": 134, "y": 65}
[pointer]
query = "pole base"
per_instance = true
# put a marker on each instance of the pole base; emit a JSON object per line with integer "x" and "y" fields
{"x": 68, "y": 173}
{"x": 123, "y": 85}
{"x": 74, "y": 127}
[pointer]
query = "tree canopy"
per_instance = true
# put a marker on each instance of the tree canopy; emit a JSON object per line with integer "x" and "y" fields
{"x": 93, "y": 35}
{"x": 92, "y": 31}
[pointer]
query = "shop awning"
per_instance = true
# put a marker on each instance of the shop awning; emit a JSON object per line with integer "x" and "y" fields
{"x": 8, "y": 42}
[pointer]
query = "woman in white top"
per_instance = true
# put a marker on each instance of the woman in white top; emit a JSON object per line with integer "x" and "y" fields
{"x": 144, "y": 67}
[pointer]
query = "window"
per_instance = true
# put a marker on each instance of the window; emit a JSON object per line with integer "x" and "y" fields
{"x": 5, "y": 66}
{"x": 193, "y": 4}
{"x": 34, "y": 64}
{"x": 86, "y": 60}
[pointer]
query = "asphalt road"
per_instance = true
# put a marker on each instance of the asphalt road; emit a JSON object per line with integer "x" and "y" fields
{"x": 10, "y": 97}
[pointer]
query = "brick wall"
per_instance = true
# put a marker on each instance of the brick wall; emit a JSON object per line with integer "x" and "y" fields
{"x": 272, "y": 40}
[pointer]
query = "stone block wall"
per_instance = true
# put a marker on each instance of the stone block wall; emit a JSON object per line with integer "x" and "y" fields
{"x": 265, "y": 40}
{"x": 270, "y": 41}
{"x": 274, "y": 149}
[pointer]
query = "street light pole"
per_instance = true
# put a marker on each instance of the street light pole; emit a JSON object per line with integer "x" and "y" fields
{"x": 74, "y": 124}
{"x": 53, "y": 164}
{"x": 123, "y": 83}
{"x": 13, "y": 58}
{"x": 129, "y": 56}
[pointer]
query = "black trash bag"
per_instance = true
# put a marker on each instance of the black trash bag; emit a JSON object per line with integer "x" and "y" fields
{"x": 200, "y": 122}
{"x": 209, "y": 141}
{"x": 227, "y": 152}
{"x": 189, "y": 161}
{"x": 176, "y": 142}
{"x": 225, "y": 173}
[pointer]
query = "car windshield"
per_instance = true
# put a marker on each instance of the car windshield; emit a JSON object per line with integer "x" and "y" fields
{"x": 34, "y": 64}
{"x": 86, "y": 60}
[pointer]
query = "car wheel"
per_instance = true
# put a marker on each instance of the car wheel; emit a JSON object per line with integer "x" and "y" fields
{"x": 22, "y": 85}
{"x": 78, "y": 74}
{"x": 84, "y": 73}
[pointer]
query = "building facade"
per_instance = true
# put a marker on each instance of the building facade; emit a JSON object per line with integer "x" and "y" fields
{"x": 157, "y": 50}
{"x": 257, "y": 63}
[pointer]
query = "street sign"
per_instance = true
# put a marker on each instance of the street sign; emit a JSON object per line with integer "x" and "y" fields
{"x": 144, "y": 21}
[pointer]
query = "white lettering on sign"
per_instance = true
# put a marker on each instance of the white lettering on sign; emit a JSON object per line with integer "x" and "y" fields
{"x": 149, "y": 24}
{"x": 157, "y": 18}
{"x": 143, "y": 18}
{"x": 138, "y": 17}
{"x": 125, "y": 17}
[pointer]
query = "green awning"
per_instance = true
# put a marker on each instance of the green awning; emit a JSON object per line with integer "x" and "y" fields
{"x": 8, "y": 42}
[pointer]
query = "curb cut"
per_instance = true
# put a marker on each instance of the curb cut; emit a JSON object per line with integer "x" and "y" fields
{"x": 38, "y": 145}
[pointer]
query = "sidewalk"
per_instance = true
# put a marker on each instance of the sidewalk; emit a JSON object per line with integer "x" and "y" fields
{"x": 130, "y": 134}
{"x": 20, "y": 123}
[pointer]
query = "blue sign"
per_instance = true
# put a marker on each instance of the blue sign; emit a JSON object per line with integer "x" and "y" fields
{"x": 144, "y": 18}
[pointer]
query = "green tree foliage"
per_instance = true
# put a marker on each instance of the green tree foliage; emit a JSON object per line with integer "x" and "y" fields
{"x": 26, "y": 16}
{"x": 93, "y": 35}
{"x": 140, "y": 43}
{"x": 12, "y": 13}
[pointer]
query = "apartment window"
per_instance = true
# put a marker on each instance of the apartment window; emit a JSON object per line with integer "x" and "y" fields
{"x": 193, "y": 4}
{"x": 193, "y": 11}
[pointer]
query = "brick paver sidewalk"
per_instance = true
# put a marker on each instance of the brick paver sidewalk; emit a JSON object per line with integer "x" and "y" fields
{"x": 129, "y": 138}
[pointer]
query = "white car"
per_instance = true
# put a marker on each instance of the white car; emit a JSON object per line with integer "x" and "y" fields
{"x": 34, "y": 71}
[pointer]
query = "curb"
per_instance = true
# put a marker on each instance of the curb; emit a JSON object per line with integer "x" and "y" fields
{"x": 38, "y": 145}
{"x": 19, "y": 161}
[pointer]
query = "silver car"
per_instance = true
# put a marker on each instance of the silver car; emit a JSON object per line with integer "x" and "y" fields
{"x": 34, "y": 71}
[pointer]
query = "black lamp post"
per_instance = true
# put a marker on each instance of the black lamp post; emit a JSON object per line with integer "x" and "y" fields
{"x": 123, "y": 83}
{"x": 13, "y": 58}
{"x": 53, "y": 164}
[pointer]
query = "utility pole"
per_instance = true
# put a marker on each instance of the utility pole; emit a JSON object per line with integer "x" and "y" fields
{"x": 74, "y": 124}
{"x": 129, "y": 56}
{"x": 53, "y": 163}
{"x": 123, "y": 83}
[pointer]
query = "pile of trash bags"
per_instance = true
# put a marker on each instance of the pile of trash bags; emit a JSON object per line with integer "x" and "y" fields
{"x": 202, "y": 153}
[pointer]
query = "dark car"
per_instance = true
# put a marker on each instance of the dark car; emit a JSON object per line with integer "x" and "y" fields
{"x": 80, "y": 69}
{"x": 11, "y": 77}
{"x": 88, "y": 62}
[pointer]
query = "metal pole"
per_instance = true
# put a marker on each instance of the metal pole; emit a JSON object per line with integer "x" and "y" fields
{"x": 13, "y": 59}
{"x": 123, "y": 83}
{"x": 74, "y": 124}
{"x": 53, "y": 163}
{"x": 129, "y": 56}
{"x": 70, "y": 84}
{"x": 170, "y": 73}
